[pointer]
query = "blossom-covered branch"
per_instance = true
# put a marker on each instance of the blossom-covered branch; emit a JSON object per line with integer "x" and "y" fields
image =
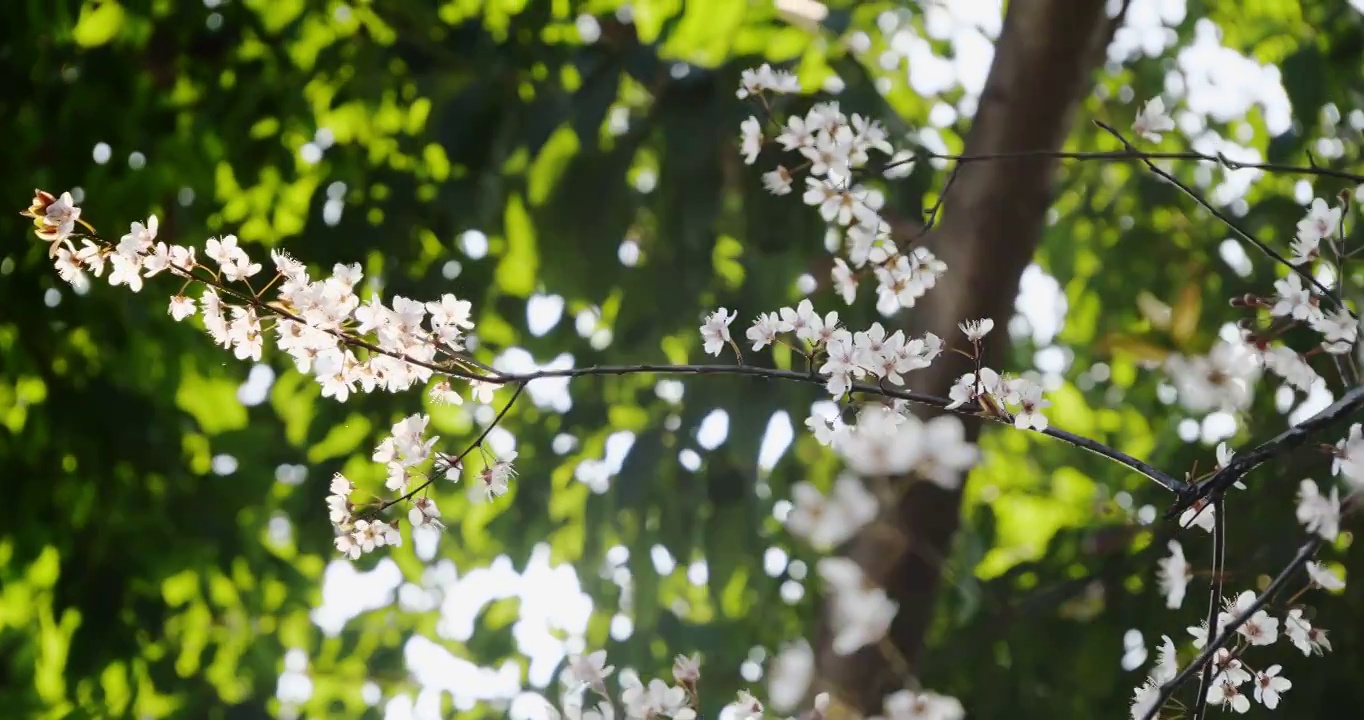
{"x": 1219, "y": 638}
{"x": 350, "y": 346}
{"x": 1244, "y": 462}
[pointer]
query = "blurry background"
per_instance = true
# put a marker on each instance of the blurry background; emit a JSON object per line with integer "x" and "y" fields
{"x": 573, "y": 169}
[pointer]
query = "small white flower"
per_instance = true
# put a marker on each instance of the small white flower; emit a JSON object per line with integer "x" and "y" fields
{"x": 1031, "y": 405}
{"x": 790, "y": 675}
{"x": 907, "y": 705}
{"x": 645, "y": 703}
{"x": 1339, "y": 330}
{"x": 60, "y": 218}
{"x": 828, "y": 521}
{"x": 764, "y": 330}
{"x": 1174, "y": 576}
{"x": 587, "y": 671}
{"x": 1229, "y": 667}
{"x": 844, "y": 281}
{"x": 1319, "y": 513}
{"x": 778, "y": 181}
{"x": 1167, "y": 661}
{"x": 1152, "y": 120}
{"x": 1305, "y": 248}
{"x": 1269, "y": 685}
{"x": 424, "y": 512}
{"x": 715, "y": 332}
{"x": 1223, "y": 692}
{"x": 750, "y": 139}
{"x": 139, "y": 239}
{"x": 1294, "y": 300}
{"x": 1199, "y": 633}
{"x": 1323, "y": 577}
{"x": 1298, "y": 630}
{"x": 1200, "y": 515}
{"x": 977, "y": 329}
{"x": 747, "y": 707}
{"x": 1144, "y": 698}
{"x": 1260, "y": 628}
{"x": 1321, "y": 222}
{"x": 687, "y": 670}
{"x": 181, "y": 307}
{"x": 496, "y": 479}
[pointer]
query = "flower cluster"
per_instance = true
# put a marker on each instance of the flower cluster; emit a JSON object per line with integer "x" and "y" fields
{"x": 324, "y": 328}
{"x": 1223, "y": 379}
{"x": 996, "y": 393}
{"x": 656, "y": 699}
{"x": 835, "y": 149}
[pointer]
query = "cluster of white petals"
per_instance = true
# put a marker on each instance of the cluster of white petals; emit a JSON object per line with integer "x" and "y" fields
{"x": 860, "y": 613}
{"x": 836, "y": 150}
{"x": 997, "y": 393}
{"x": 1224, "y": 379}
{"x": 657, "y": 698}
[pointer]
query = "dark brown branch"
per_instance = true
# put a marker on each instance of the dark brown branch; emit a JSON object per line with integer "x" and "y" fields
{"x": 459, "y": 459}
{"x": 1154, "y": 474}
{"x": 1241, "y": 465}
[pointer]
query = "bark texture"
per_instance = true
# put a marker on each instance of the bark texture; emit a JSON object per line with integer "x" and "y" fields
{"x": 991, "y": 223}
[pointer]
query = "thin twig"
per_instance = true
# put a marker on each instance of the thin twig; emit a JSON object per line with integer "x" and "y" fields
{"x": 1247, "y": 237}
{"x": 1156, "y": 475}
{"x": 1219, "y": 559}
{"x": 459, "y": 459}
{"x": 1132, "y": 153}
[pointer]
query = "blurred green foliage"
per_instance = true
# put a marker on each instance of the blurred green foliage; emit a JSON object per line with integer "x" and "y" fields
{"x": 136, "y": 581}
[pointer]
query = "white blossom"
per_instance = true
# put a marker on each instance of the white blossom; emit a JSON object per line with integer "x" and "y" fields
{"x": 764, "y": 330}
{"x": 778, "y": 181}
{"x": 789, "y": 677}
{"x": 859, "y": 614}
{"x": 1225, "y": 693}
{"x": 1339, "y": 330}
{"x": 1223, "y": 379}
{"x": 1269, "y": 685}
{"x": 1174, "y": 576}
{"x": 828, "y": 521}
{"x": 1349, "y": 456}
{"x": 59, "y": 219}
{"x": 657, "y": 698}
{"x": 908, "y": 705}
{"x": 687, "y": 669}
{"x": 1323, "y": 577}
{"x": 1153, "y": 120}
{"x": 715, "y": 331}
{"x": 750, "y": 139}
{"x": 1322, "y": 221}
{"x": 1200, "y": 515}
{"x": 1319, "y": 513}
{"x": 975, "y": 330}
{"x": 1031, "y": 405}
{"x": 756, "y": 81}
{"x": 1294, "y": 300}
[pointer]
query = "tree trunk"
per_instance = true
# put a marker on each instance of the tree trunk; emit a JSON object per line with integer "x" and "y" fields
{"x": 992, "y": 221}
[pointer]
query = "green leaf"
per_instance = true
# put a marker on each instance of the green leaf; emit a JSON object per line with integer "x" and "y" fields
{"x": 211, "y": 400}
{"x": 517, "y": 271}
{"x": 99, "y": 23}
